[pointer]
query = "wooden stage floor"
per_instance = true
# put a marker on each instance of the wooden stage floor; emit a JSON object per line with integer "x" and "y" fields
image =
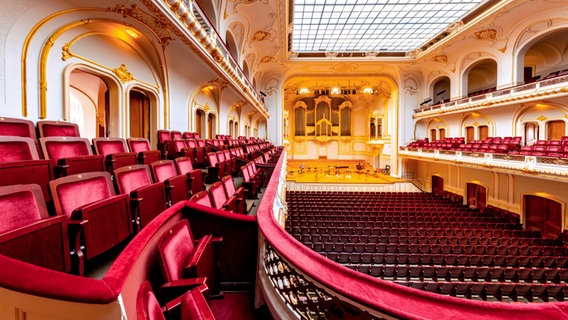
{"x": 335, "y": 171}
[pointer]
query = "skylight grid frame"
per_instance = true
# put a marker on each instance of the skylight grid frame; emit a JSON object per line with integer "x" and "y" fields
{"x": 393, "y": 25}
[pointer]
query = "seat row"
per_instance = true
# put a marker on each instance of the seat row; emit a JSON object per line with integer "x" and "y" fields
{"x": 441, "y": 259}
{"x": 502, "y": 242}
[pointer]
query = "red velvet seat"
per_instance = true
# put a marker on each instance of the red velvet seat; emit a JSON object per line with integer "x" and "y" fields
{"x": 21, "y": 164}
{"x": 194, "y": 176}
{"x": 98, "y": 219}
{"x": 176, "y": 184}
{"x": 202, "y": 198}
{"x": 250, "y": 184}
{"x": 219, "y": 198}
{"x": 47, "y": 128}
{"x": 239, "y": 193}
{"x": 182, "y": 257}
{"x": 14, "y": 127}
{"x": 71, "y": 155}
{"x": 190, "y": 306}
{"x": 215, "y": 170}
{"x": 198, "y": 151}
{"x": 148, "y": 199}
{"x": 28, "y": 233}
{"x": 141, "y": 146}
{"x": 164, "y": 139}
{"x": 115, "y": 152}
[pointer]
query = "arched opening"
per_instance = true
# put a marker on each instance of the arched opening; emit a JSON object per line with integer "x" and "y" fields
{"x": 232, "y": 45}
{"x": 89, "y": 104}
{"x": 200, "y": 122}
{"x": 483, "y": 132}
{"x": 481, "y": 78}
{"x": 211, "y": 132}
{"x": 437, "y": 185}
{"x": 469, "y": 134}
{"x": 230, "y": 128}
{"x": 555, "y": 129}
{"x": 441, "y": 90}
{"x": 531, "y": 133}
{"x": 236, "y": 130}
{"x": 476, "y": 195}
{"x": 140, "y": 114}
{"x": 543, "y": 214}
{"x": 544, "y": 57}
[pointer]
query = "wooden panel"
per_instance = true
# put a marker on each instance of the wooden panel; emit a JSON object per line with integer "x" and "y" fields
{"x": 556, "y": 129}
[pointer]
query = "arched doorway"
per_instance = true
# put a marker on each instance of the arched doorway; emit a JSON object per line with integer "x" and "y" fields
{"x": 140, "y": 114}
{"x": 543, "y": 214}
{"x": 210, "y": 126}
{"x": 200, "y": 122}
{"x": 437, "y": 185}
{"x": 89, "y": 104}
{"x": 476, "y": 195}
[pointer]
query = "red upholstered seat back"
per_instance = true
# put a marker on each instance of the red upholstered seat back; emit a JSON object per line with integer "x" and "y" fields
{"x": 163, "y": 170}
{"x": 200, "y": 143}
{"x": 220, "y": 156}
{"x": 183, "y": 165}
{"x": 56, "y": 148}
{"x": 179, "y": 145}
{"x": 176, "y": 135}
{"x": 195, "y": 307}
{"x": 21, "y": 205}
{"x": 74, "y": 191}
{"x": 229, "y": 185}
{"x": 191, "y": 143}
{"x": 212, "y": 156}
{"x": 218, "y": 197}
{"x": 131, "y": 178}
{"x": 202, "y": 198}
{"x": 176, "y": 247}
{"x": 138, "y": 144}
{"x": 17, "y": 149}
{"x": 164, "y": 135}
{"x": 107, "y": 146}
{"x": 147, "y": 306}
{"x": 57, "y": 129}
{"x": 17, "y": 128}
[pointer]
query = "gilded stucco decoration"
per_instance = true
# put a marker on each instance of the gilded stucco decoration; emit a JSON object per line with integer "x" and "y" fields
{"x": 267, "y": 59}
{"x": 160, "y": 26}
{"x": 123, "y": 74}
{"x": 441, "y": 58}
{"x": 486, "y": 34}
{"x": 411, "y": 86}
{"x": 262, "y": 35}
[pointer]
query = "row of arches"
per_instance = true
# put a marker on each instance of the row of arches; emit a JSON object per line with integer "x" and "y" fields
{"x": 537, "y": 59}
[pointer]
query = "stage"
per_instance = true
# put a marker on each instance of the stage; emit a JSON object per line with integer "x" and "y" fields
{"x": 335, "y": 171}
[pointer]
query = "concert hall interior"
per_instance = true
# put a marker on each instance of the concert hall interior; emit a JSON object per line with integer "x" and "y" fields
{"x": 283, "y": 159}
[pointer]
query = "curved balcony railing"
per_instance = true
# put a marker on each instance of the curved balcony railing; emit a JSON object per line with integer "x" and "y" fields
{"x": 546, "y": 87}
{"x": 299, "y": 283}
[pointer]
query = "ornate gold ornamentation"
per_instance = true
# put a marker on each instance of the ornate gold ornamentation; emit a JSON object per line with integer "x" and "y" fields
{"x": 486, "y": 34}
{"x": 123, "y": 74}
{"x": 541, "y": 118}
{"x": 66, "y": 52}
{"x": 206, "y": 107}
{"x": 262, "y": 35}
{"x": 441, "y": 58}
{"x": 267, "y": 59}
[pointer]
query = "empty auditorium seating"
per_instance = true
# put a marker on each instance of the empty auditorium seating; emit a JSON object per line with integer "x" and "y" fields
{"x": 148, "y": 198}
{"x": 47, "y": 128}
{"x": 98, "y": 219}
{"x": 219, "y": 198}
{"x": 141, "y": 146}
{"x": 202, "y": 198}
{"x": 71, "y": 155}
{"x": 19, "y": 128}
{"x": 195, "y": 153}
{"x": 28, "y": 233}
{"x": 215, "y": 169}
{"x": 21, "y": 164}
{"x": 191, "y": 305}
{"x": 432, "y": 243}
{"x": 182, "y": 257}
{"x": 239, "y": 193}
{"x": 194, "y": 176}
{"x": 115, "y": 152}
{"x": 176, "y": 184}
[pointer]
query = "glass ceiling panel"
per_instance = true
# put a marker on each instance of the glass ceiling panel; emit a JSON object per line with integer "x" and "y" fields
{"x": 372, "y": 25}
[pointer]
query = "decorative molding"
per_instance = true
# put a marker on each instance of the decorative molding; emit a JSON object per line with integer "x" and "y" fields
{"x": 441, "y": 58}
{"x": 261, "y": 36}
{"x": 541, "y": 118}
{"x": 123, "y": 74}
{"x": 267, "y": 59}
{"x": 486, "y": 34}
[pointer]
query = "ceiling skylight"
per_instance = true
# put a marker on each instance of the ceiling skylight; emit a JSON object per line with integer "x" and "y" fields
{"x": 372, "y": 25}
